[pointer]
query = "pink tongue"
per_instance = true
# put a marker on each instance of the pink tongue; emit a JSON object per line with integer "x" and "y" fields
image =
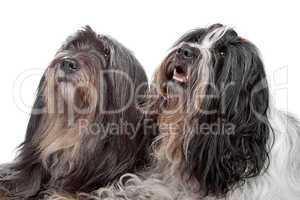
{"x": 179, "y": 77}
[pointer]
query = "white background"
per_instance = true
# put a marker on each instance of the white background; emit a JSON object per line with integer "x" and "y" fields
{"x": 32, "y": 31}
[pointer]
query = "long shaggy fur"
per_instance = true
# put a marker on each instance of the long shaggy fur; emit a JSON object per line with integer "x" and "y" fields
{"x": 62, "y": 151}
{"x": 219, "y": 137}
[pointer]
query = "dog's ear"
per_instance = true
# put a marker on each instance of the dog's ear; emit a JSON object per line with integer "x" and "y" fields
{"x": 28, "y": 173}
{"x": 229, "y": 143}
{"x": 36, "y": 112}
{"x": 122, "y": 81}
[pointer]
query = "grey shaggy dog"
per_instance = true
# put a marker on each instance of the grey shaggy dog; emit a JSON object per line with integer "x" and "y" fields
{"x": 219, "y": 136}
{"x": 85, "y": 128}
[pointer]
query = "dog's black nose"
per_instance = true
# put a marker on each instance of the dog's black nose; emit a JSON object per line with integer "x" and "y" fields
{"x": 186, "y": 52}
{"x": 69, "y": 66}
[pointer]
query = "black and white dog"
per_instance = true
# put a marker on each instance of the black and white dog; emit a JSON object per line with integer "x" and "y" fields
{"x": 85, "y": 128}
{"x": 220, "y": 137}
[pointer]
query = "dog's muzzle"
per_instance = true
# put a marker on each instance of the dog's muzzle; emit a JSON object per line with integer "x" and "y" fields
{"x": 187, "y": 53}
{"x": 69, "y": 66}
{"x": 184, "y": 56}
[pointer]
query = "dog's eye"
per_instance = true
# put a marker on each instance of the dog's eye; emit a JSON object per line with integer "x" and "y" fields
{"x": 106, "y": 52}
{"x": 222, "y": 53}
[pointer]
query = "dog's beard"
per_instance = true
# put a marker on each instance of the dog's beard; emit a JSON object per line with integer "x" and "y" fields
{"x": 67, "y": 92}
{"x": 182, "y": 94}
{"x": 78, "y": 96}
{"x": 173, "y": 90}
{"x": 68, "y": 102}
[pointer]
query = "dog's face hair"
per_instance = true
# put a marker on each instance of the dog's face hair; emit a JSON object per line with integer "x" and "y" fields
{"x": 93, "y": 78}
{"x": 214, "y": 88}
{"x": 71, "y": 91}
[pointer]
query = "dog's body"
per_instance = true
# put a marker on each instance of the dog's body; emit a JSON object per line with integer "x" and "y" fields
{"x": 76, "y": 138}
{"x": 219, "y": 137}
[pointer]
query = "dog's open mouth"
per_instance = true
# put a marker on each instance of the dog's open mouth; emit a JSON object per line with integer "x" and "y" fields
{"x": 180, "y": 75}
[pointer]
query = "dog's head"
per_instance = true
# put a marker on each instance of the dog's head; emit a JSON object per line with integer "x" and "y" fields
{"x": 74, "y": 76}
{"x": 215, "y": 80}
{"x": 88, "y": 73}
{"x": 91, "y": 77}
